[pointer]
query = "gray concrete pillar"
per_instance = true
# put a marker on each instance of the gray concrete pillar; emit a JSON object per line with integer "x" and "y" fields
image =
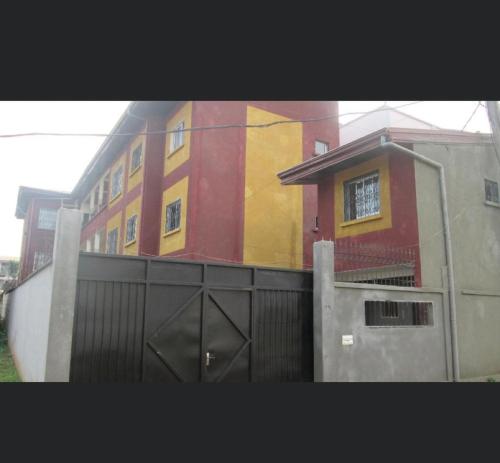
{"x": 65, "y": 268}
{"x": 323, "y": 271}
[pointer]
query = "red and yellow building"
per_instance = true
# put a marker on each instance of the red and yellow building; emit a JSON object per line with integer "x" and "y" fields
{"x": 207, "y": 189}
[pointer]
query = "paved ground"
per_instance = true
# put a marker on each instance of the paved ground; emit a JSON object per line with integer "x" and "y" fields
{"x": 8, "y": 372}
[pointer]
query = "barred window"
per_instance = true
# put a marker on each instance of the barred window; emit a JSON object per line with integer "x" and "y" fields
{"x": 177, "y": 138}
{"x": 320, "y": 147}
{"x": 362, "y": 197}
{"x": 136, "y": 158}
{"x": 173, "y": 221}
{"x": 131, "y": 225}
{"x": 47, "y": 219}
{"x": 398, "y": 313}
{"x": 116, "y": 184}
{"x": 491, "y": 191}
{"x": 113, "y": 241}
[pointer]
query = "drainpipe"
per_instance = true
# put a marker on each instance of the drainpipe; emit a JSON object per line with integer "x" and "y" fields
{"x": 448, "y": 250}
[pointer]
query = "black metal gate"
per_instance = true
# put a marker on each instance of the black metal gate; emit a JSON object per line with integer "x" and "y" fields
{"x": 163, "y": 320}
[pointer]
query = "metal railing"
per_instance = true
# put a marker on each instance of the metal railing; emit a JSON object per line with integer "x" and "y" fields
{"x": 375, "y": 263}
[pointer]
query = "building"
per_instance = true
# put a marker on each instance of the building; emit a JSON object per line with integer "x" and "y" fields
{"x": 384, "y": 189}
{"x": 38, "y": 208}
{"x": 379, "y": 118}
{"x": 206, "y": 192}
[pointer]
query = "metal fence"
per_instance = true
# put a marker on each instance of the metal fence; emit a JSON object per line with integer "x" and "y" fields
{"x": 166, "y": 320}
{"x": 375, "y": 263}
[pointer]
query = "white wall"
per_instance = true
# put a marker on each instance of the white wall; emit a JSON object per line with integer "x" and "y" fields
{"x": 28, "y": 324}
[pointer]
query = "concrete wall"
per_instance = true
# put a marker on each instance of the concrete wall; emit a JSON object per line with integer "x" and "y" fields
{"x": 28, "y": 324}
{"x": 475, "y": 233}
{"x": 40, "y": 310}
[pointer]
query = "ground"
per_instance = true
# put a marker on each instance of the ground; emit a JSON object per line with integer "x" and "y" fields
{"x": 8, "y": 372}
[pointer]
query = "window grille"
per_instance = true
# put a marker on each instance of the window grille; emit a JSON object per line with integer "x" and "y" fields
{"x": 136, "y": 158}
{"x": 113, "y": 241}
{"x": 47, "y": 219}
{"x": 320, "y": 147}
{"x": 177, "y": 138}
{"x": 116, "y": 184}
{"x": 173, "y": 221}
{"x": 491, "y": 191}
{"x": 40, "y": 259}
{"x": 131, "y": 225}
{"x": 362, "y": 197}
{"x": 398, "y": 313}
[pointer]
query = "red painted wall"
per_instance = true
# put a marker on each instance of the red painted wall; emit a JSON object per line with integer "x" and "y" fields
{"x": 404, "y": 231}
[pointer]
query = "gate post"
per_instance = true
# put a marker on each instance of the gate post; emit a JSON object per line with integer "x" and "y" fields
{"x": 62, "y": 307}
{"x": 323, "y": 300}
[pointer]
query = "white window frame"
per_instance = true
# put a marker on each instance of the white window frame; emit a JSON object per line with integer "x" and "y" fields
{"x": 361, "y": 209}
{"x": 120, "y": 182}
{"x": 42, "y": 221}
{"x": 131, "y": 240}
{"x": 324, "y": 144}
{"x": 489, "y": 201}
{"x": 177, "y": 138}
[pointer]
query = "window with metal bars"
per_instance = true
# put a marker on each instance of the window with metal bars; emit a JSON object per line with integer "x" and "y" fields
{"x": 398, "y": 313}
{"x": 173, "y": 221}
{"x": 113, "y": 241}
{"x": 117, "y": 181}
{"x": 40, "y": 259}
{"x": 491, "y": 191}
{"x": 362, "y": 197}
{"x": 177, "y": 138}
{"x": 136, "y": 158}
{"x": 47, "y": 219}
{"x": 131, "y": 226}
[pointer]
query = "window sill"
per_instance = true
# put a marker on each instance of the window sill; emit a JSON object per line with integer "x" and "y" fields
{"x": 175, "y": 151}
{"x": 172, "y": 232}
{"x": 114, "y": 198}
{"x": 363, "y": 220}
{"x": 130, "y": 243}
{"x": 135, "y": 170}
{"x": 491, "y": 203}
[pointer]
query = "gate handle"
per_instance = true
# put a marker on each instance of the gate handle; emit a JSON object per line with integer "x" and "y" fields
{"x": 209, "y": 357}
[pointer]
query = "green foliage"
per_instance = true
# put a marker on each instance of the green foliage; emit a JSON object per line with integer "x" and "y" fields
{"x": 491, "y": 380}
{"x": 8, "y": 373}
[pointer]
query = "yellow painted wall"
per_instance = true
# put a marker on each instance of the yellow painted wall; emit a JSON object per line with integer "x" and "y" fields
{"x": 366, "y": 224}
{"x": 181, "y": 155}
{"x": 273, "y": 230}
{"x": 114, "y": 222}
{"x": 119, "y": 162}
{"x": 174, "y": 240}
{"x": 133, "y": 208}
{"x": 136, "y": 177}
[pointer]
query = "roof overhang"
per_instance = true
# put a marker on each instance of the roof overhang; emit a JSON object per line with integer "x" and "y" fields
{"x": 129, "y": 124}
{"x": 314, "y": 170}
{"x": 26, "y": 194}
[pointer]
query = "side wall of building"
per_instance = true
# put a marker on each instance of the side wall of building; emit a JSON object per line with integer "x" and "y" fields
{"x": 475, "y": 232}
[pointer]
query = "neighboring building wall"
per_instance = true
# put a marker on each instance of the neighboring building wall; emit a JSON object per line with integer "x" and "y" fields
{"x": 475, "y": 232}
{"x": 34, "y": 238}
{"x": 373, "y": 121}
{"x": 395, "y": 226}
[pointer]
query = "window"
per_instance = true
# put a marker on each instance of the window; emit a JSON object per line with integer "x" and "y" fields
{"x": 362, "y": 197}
{"x": 88, "y": 246}
{"x": 131, "y": 224}
{"x": 491, "y": 191}
{"x": 320, "y": 147}
{"x": 113, "y": 241}
{"x": 136, "y": 158}
{"x": 47, "y": 219}
{"x": 177, "y": 138}
{"x": 105, "y": 190}
{"x": 116, "y": 186}
{"x": 398, "y": 313}
{"x": 40, "y": 259}
{"x": 100, "y": 241}
{"x": 173, "y": 221}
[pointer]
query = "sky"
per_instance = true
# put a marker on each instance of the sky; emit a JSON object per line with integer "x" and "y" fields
{"x": 57, "y": 162}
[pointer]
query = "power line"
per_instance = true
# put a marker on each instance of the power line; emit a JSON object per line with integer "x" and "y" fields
{"x": 194, "y": 129}
{"x": 472, "y": 115}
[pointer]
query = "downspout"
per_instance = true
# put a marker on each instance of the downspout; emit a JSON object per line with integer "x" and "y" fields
{"x": 448, "y": 250}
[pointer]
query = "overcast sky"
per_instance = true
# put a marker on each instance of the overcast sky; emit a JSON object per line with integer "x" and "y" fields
{"x": 57, "y": 162}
